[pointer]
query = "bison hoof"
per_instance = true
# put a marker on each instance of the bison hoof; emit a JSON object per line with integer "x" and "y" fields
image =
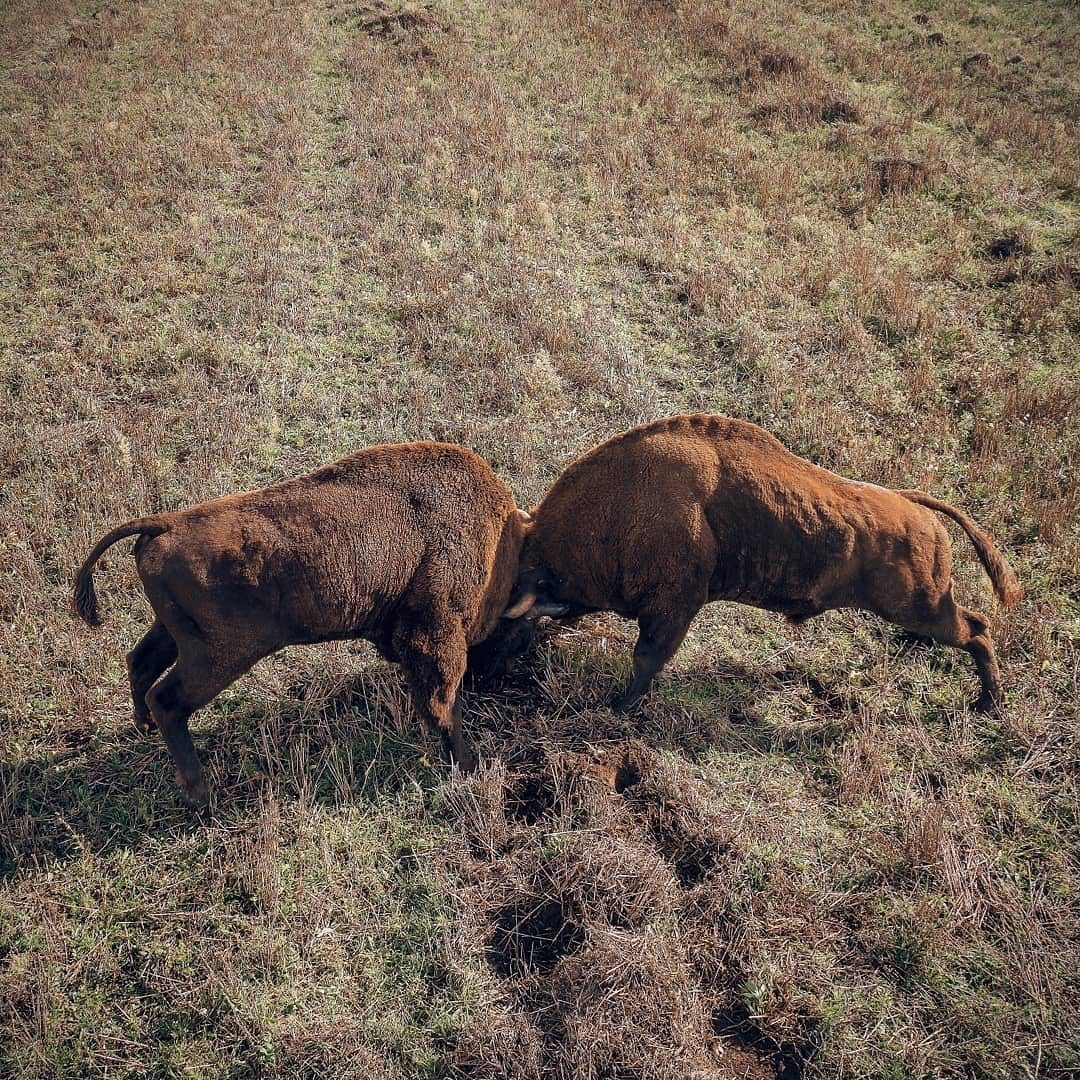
{"x": 145, "y": 725}
{"x": 464, "y": 759}
{"x": 626, "y": 703}
{"x": 989, "y": 704}
{"x": 196, "y": 792}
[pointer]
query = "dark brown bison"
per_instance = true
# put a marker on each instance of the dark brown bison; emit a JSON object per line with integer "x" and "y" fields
{"x": 656, "y": 522}
{"x": 413, "y": 547}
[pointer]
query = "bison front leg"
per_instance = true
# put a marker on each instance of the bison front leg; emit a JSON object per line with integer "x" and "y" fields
{"x": 659, "y": 637}
{"x": 434, "y": 663}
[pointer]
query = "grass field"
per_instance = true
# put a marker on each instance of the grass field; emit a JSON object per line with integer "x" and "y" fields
{"x": 241, "y": 239}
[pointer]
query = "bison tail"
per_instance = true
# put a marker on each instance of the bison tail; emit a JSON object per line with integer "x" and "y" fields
{"x": 1000, "y": 573}
{"x": 85, "y": 596}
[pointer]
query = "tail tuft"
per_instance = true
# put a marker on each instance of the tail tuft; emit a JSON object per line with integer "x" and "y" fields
{"x": 86, "y": 600}
{"x": 1010, "y": 593}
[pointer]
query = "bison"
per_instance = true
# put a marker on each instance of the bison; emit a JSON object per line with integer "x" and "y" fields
{"x": 413, "y": 547}
{"x": 659, "y": 520}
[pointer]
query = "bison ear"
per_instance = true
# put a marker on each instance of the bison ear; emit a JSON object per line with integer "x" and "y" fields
{"x": 527, "y": 600}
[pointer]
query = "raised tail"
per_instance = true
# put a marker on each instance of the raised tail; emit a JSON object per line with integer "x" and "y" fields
{"x": 85, "y": 596}
{"x": 1000, "y": 573}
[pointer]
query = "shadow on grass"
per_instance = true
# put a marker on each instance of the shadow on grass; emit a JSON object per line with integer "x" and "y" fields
{"x": 562, "y": 685}
{"x": 694, "y": 713}
{"x": 358, "y": 742}
{"x": 114, "y": 789}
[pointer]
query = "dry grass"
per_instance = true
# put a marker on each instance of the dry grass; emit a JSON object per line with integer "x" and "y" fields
{"x": 237, "y": 240}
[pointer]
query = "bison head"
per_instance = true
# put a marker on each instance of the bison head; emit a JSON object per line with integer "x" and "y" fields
{"x": 537, "y": 590}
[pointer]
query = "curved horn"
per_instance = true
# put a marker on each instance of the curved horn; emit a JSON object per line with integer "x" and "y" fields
{"x": 527, "y": 600}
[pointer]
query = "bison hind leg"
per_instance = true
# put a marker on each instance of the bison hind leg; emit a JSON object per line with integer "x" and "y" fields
{"x": 145, "y": 663}
{"x": 982, "y": 652}
{"x": 951, "y": 624}
{"x": 172, "y": 701}
{"x": 199, "y": 676}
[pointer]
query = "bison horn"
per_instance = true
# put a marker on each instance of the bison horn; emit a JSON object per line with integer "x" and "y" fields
{"x": 527, "y": 600}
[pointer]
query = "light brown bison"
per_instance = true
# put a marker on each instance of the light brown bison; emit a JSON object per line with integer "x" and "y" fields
{"x": 656, "y": 522}
{"x": 413, "y": 547}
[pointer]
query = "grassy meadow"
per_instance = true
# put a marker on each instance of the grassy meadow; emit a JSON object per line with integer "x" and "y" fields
{"x": 238, "y": 240}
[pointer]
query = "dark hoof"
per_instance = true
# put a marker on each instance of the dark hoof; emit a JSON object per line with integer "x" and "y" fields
{"x": 626, "y": 703}
{"x": 196, "y": 793}
{"x": 145, "y": 725}
{"x": 464, "y": 760}
{"x": 988, "y": 705}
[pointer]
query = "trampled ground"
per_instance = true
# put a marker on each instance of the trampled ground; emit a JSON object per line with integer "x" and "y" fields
{"x": 240, "y": 239}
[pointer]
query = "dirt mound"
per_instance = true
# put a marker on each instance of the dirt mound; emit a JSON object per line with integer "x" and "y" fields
{"x": 686, "y": 833}
{"x": 529, "y": 796}
{"x": 746, "y": 60}
{"x": 621, "y": 768}
{"x": 788, "y": 1060}
{"x": 839, "y": 112}
{"x": 533, "y": 933}
{"x": 1009, "y": 245}
{"x": 394, "y": 22}
{"x": 976, "y": 63}
{"x": 606, "y": 898}
{"x": 411, "y": 28}
{"x": 896, "y": 176}
{"x": 545, "y": 901}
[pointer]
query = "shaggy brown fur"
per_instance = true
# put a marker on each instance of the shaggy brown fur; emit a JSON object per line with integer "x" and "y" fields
{"x": 413, "y": 547}
{"x": 656, "y": 522}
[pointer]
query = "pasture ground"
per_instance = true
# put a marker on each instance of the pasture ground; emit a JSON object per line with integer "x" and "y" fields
{"x": 240, "y": 239}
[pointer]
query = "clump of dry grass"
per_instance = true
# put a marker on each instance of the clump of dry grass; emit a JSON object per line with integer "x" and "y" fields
{"x": 626, "y": 1003}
